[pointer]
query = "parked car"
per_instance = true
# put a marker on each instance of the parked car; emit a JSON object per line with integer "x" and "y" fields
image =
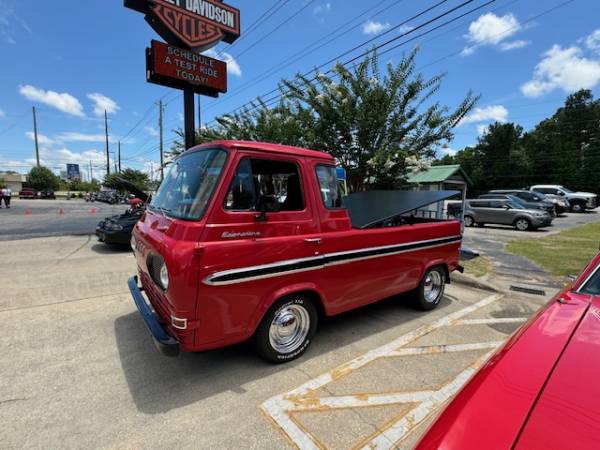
{"x": 579, "y": 201}
{"x": 47, "y": 195}
{"x": 110, "y": 197}
{"x": 249, "y": 240}
{"x": 544, "y": 206}
{"x": 28, "y": 193}
{"x": 540, "y": 390}
{"x": 561, "y": 204}
{"x": 504, "y": 212}
{"x": 116, "y": 230}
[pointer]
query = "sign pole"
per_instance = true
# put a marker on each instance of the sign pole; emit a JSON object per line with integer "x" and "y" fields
{"x": 189, "y": 118}
{"x": 35, "y": 135}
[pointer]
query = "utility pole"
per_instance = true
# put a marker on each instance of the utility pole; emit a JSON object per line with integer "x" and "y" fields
{"x": 160, "y": 127}
{"x": 91, "y": 172}
{"x": 119, "y": 156}
{"x": 199, "y": 114}
{"x": 106, "y": 133}
{"x": 35, "y": 136}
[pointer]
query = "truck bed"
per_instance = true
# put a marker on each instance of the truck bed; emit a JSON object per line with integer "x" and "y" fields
{"x": 390, "y": 208}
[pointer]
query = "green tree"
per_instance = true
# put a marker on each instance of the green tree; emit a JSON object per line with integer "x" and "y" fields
{"x": 41, "y": 178}
{"x": 565, "y": 148}
{"x": 136, "y": 177}
{"x": 377, "y": 125}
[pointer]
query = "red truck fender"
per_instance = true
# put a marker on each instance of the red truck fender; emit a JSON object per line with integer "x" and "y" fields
{"x": 309, "y": 289}
{"x": 434, "y": 263}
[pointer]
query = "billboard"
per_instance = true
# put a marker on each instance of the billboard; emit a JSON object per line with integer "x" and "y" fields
{"x": 73, "y": 172}
{"x": 193, "y": 24}
{"x": 178, "y": 68}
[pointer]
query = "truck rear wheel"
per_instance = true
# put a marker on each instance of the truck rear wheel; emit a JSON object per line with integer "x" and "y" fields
{"x": 287, "y": 329}
{"x": 431, "y": 289}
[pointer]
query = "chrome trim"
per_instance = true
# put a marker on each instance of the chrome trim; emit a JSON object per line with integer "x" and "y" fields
{"x": 325, "y": 263}
{"x": 588, "y": 278}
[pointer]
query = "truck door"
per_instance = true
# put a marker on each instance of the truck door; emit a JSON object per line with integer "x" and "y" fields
{"x": 255, "y": 232}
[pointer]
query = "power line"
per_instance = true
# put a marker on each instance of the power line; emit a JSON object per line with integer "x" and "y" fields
{"x": 418, "y": 27}
{"x": 258, "y": 22}
{"x": 304, "y": 52}
{"x": 289, "y": 19}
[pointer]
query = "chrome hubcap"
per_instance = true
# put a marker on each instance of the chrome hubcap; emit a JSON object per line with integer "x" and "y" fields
{"x": 289, "y": 328}
{"x": 433, "y": 286}
{"x": 522, "y": 225}
{"x": 468, "y": 221}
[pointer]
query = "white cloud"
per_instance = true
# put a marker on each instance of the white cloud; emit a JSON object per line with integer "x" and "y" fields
{"x": 233, "y": 67}
{"x": 62, "y": 101}
{"x": 372, "y": 27}
{"x": 490, "y": 29}
{"x": 482, "y": 129}
{"x": 592, "y": 42}
{"x": 2, "y": 114}
{"x": 405, "y": 29}
{"x": 495, "y": 113}
{"x": 562, "y": 68}
{"x": 42, "y": 139}
{"x": 323, "y": 8}
{"x": 512, "y": 45}
{"x": 151, "y": 131}
{"x": 103, "y": 103}
{"x": 445, "y": 150}
{"x": 75, "y": 136}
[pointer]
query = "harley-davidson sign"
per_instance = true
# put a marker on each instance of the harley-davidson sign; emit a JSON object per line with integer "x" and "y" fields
{"x": 178, "y": 68}
{"x": 193, "y": 24}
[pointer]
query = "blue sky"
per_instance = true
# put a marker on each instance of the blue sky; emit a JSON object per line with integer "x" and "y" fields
{"x": 72, "y": 59}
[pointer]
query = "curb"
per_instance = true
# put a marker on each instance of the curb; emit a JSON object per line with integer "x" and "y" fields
{"x": 475, "y": 283}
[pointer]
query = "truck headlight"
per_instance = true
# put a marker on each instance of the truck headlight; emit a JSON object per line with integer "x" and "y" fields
{"x": 164, "y": 276}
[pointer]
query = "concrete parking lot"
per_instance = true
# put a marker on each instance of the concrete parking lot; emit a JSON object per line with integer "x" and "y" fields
{"x": 79, "y": 369}
{"x": 37, "y": 218}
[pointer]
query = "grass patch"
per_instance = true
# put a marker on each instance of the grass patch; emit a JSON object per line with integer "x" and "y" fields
{"x": 561, "y": 254}
{"x": 479, "y": 267}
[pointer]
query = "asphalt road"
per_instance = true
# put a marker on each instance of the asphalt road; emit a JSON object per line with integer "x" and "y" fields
{"x": 79, "y": 369}
{"x": 491, "y": 241}
{"x": 38, "y": 218}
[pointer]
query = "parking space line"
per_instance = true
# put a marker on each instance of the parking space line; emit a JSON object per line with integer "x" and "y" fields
{"x": 281, "y": 407}
{"x": 390, "y": 437}
{"x": 491, "y": 321}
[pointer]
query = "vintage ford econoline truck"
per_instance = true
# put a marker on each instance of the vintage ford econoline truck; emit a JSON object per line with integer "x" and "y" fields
{"x": 251, "y": 240}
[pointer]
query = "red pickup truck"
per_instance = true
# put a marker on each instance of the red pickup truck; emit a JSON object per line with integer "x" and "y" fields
{"x": 251, "y": 240}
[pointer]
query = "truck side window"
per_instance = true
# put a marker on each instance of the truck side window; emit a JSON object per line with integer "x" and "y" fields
{"x": 329, "y": 187}
{"x": 263, "y": 183}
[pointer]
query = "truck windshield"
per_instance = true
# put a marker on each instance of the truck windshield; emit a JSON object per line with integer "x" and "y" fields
{"x": 189, "y": 184}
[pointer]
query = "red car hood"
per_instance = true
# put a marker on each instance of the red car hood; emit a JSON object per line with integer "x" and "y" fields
{"x": 567, "y": 413}
{"x": 492, "y": 411}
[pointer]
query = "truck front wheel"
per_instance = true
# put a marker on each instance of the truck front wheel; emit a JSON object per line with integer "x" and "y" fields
{"x": 431, "y": 289}
{"x": 287, "y": 329}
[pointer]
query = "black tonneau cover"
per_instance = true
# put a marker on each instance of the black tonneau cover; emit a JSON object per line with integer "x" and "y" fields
{"x": 373, "y": 207}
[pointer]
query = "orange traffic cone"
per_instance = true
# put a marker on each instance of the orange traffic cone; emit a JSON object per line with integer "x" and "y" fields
{"x": 27, "y": 212}
{"x": 61, "y": 211}
{"x": 93, "y": 211}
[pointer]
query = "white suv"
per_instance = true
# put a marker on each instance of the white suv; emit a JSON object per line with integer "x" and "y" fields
{"x": 579, "y": 201}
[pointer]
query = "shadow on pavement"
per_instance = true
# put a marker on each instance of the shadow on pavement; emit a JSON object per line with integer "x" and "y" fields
{"x": 110, "y": 249}
{"x": 509, "y": 228}
{"x": 159, "y": 384}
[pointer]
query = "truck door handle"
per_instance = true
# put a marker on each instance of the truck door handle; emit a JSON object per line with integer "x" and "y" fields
{"x": 313, "y": 240}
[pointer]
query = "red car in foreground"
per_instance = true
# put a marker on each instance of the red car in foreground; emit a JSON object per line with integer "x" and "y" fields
{"x": 542, "y": 389}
